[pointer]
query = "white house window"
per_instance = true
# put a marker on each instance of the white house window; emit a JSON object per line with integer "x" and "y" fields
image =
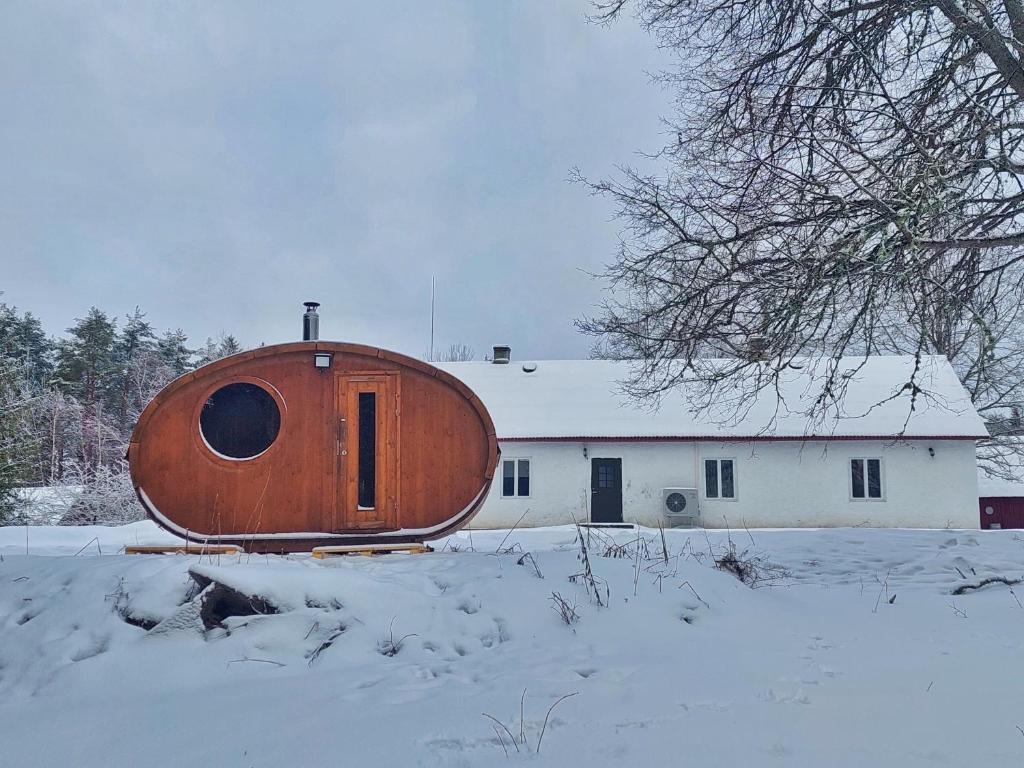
{"x": 719, "y": 478}
{"x": 866, "y": 478}
{"x": 515, "y": 477}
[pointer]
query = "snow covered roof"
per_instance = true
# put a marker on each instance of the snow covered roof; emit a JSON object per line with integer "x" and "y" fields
{"x": 563, "y": 399}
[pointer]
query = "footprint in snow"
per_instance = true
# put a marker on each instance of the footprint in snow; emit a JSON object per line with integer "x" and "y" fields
{"x": 469, "y": 607}
{"x": 771, "y": 697}
{"x": 98, "y": 646}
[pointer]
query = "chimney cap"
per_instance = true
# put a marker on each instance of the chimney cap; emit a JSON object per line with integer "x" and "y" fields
{"x": 502, "y": 354}
{"x": 311, "y": 321}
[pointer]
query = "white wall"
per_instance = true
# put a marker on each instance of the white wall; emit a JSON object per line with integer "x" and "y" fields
{"x": 779, "y": 484}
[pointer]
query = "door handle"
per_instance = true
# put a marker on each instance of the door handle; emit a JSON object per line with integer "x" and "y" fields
{"x": 342, "y": 437}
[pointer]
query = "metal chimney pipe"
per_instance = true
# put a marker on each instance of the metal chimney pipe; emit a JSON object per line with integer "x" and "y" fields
{"x": 311, "y": 321}
{"x": 502, "y": 354}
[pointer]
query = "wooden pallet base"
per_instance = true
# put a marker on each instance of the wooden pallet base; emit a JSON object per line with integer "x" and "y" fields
{"x": 182, "y": 549}
{"x": 368, "y": 550}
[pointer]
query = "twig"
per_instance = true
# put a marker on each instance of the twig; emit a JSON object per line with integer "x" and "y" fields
{"x": 512, "y": 529}
{"x": 545, "y": 726}
{"x": 589, "y": 580}
{"x": 536, "y": 568}
{"x": 688, "y": 584}
{"x": 259, "y": 661}
{"x": 500, "y": 739}
{"x": 522, "y": 720}
{"x": 94, "y": 538}
{"x": 564, "y": 609}
{"x": 328, "y": 643}
{"x": 885, "y": 589}
{"x": 390, "y": 647}
{"x": 964, "y": 588}
{"x": 636, "y": 563}
{"x": 504, "y": 728}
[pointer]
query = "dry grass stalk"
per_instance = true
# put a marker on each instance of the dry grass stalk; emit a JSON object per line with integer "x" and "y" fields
{"x": 566, "y": 610}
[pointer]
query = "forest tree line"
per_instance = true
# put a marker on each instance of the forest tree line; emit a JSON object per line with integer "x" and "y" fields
{"x": 68, "y": 404}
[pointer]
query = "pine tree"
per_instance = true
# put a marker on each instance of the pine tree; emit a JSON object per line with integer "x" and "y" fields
{"x": 228, "y": 345}
{"x": 86, "y": 369}
{"x": 173, "y": 351}
{"x": 215, "y": 350}
{"x": 25, "y": 369}
{"x": 133, "y": 352}
{"x": 9, "y": 447}
{"x": 23, "y": 342}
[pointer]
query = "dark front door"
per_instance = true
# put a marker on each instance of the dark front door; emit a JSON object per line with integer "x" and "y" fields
{"x": 606, "y": 490}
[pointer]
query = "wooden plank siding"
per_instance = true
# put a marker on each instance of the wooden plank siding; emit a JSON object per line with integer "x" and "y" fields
{"x": 1006, "y": 511}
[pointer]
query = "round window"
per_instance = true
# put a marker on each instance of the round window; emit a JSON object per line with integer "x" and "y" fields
{"x": 240, "y": 421}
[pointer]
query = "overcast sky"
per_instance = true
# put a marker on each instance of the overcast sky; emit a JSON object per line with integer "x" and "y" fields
{"x": 218, "y": 163}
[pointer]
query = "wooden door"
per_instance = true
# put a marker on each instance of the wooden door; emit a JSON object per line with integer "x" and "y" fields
{"x": 366, "y": 490}
{"x": 606, "y": 490}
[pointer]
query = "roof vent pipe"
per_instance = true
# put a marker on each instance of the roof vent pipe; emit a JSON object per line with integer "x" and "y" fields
{"x": 755, "y": 347}
{"x": 502, "y": 355}
{"x": 311, "y": 321}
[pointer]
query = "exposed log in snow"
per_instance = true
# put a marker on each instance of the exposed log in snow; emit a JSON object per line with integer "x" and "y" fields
{"x": 219, "y": 601}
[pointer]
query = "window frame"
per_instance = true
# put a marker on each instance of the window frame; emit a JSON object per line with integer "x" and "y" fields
{"x": 881, "y": 478}
{"x": 718, "y": 472}
{"x": 211, "y": 454}
{"x": 515, "y": 477}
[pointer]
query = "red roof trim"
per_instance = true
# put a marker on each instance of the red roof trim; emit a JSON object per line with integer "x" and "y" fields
{"x": 732, "y": 438}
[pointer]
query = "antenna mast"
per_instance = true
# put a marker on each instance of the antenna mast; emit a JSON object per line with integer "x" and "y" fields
{"x": 431, "y": 359}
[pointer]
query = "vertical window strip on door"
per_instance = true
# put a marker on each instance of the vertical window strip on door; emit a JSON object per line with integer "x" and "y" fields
{"x": 367, "y": 460}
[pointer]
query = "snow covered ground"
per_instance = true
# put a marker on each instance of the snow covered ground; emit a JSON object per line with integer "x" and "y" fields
{"x": 858, "y": 656}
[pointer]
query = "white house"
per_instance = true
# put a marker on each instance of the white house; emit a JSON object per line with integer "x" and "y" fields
{"x": 574, "y": 448}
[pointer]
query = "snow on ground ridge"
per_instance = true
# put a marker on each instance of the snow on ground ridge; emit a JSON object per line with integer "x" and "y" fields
{"x": 805, "y": 668}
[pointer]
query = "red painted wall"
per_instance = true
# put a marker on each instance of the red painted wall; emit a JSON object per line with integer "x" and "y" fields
{"x": 1007, "y": 511}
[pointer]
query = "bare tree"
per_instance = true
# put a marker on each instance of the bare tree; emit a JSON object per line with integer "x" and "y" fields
{"x": 834, "y": 165}
{"x": 456, "y": 353}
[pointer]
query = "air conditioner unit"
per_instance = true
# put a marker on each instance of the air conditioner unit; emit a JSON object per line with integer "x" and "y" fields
{"x": 680, "y": 507}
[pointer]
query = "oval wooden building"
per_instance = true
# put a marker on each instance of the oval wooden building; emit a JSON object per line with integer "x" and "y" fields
{"x": 313, "y": 443}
